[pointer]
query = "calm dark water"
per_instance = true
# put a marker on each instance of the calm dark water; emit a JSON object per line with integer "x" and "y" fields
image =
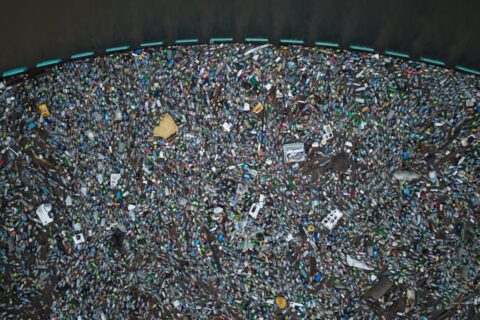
{"x": 33, "y": 31}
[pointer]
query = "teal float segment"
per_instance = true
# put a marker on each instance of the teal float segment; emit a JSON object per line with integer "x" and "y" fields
{"x": 82, "y": 55}
{"x": 362, "y": 48}
{"x": 221, "y": 39}
{"x": 115, "y": 49}
{"x": 397, "y": 54}
{"x": 184, "y": 41}
{"x": 151, "y": 44}
{"x": 472, "y": 71}
{"x": 48, "y": 63}
{"x": 291, "y": 41}
{"x": 256, "y": 39}
{"x": 432, "y": 61}
{"x": 327, "y": 44}
{"x": 15, "y": 71}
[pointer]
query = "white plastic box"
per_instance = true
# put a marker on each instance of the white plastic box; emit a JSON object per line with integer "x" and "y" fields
{"x": 294, "y": 152}
{"x": 331, "y": 220}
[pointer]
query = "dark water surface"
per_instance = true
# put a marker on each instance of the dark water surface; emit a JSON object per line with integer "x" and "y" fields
{"x": 33, "y": 31}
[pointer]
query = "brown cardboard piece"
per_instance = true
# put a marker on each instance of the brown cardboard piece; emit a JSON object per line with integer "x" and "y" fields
{"x": 167, "y": 128}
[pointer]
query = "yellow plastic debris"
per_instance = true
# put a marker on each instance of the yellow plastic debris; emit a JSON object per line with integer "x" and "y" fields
{"x": 167, "y": 128}
{"x": 44, "y": 110}
{"x": 281, "y": 302}
{"x": 258, "y": 108}
{"x": 458, "y": 204}
{"x": 310, "y": 228}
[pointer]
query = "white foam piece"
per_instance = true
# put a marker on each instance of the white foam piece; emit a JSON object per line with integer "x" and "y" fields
{"x": 114, "y": 178}
{"x": 331, "y": 220}
{"x": 42, "y": 213}
{"x": 78, "y": 238}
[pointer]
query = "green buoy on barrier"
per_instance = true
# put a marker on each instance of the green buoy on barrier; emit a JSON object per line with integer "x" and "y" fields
{"x": 291, "y": 41}
{"x": 326, "y": 44}
{"x": 432, "y": 61}
{"x": 116, "y": 49}
{"x": 361, "y": 48}
{"x": 48, "y": 63}
{"x": 397, "y": 54}
{"x": 214, "y": 40}
{"x": 82, "y": 55}
{"x": 475, "y": 72}
{"x": 256, "y": 40}
{"x": 151, "y": 44}
{"x": 186, "y": 41}
{"x": 15, "y": 71}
